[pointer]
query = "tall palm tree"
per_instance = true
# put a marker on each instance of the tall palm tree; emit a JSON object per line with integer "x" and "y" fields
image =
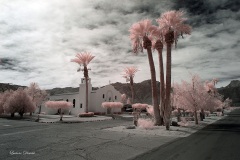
{"x": 157, "y": 40}
{"x": 172, "y": 26}
{"x": 139, "y": 34}
{"x": 159, "y": 48}
{"x": 84, "y": 59}
{"x": 129, "y": 73}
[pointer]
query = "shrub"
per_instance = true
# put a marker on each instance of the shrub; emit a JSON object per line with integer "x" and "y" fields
{"x": 89, "y": 114}
{"x": 145, "y": 123}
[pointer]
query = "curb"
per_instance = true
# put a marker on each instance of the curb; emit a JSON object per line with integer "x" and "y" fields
{"x": 75, "y": 121}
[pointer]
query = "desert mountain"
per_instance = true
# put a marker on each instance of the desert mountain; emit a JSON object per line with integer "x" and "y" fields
{"x": 231, "y": 91}
{"x": 142, "y": 90}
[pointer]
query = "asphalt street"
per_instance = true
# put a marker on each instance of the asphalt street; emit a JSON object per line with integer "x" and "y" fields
{"x": 218, "y": 141}
{"x": 23, "y": 140}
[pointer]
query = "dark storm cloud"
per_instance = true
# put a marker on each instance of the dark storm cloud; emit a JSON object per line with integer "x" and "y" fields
{"x": 151, "y": 8}
{"x": 7, "y": 63}
{"x": 12, "y": 65}
{"x": 205, "y": 11}
{"x": 44, "y": 35}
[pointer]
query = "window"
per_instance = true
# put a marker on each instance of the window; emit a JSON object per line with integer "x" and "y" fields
{"x": 103, "y": 96}
{"x": 67, "y": 100}
{"x": 81, "y": 105}
{"x": 73, "y": 103}
{"x": 110, "y": 98}
{"x": 115, "y": 97}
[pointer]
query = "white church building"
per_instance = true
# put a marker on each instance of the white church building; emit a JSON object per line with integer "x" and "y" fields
{"x": 95, "y": 98}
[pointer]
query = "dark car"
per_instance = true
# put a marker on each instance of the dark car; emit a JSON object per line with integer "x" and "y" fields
{"x": 127, "y": 108}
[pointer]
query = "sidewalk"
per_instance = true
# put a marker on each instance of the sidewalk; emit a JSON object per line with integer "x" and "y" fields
{"x": 175, "y": 131}
{"x": 69, "y": 119}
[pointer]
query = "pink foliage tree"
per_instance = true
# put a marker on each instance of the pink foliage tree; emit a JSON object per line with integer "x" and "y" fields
{"x": 37, "y": 95}
{"x": 210, "y": 86}
{"x": 112, "y": 105}
{"x": 129, "y": 101}
{"x": 193, "y": 96}
{"x": 150, "y": 110}
{"x": 145, "y": 123}
{"x": 123, "y": 98}
{"x": 58, "y": 105}
{"x": 227, "y": 103}
{"x": 139, "y": 106}
{"x": 19, "y": 101}
{"x": 3, "y": 98}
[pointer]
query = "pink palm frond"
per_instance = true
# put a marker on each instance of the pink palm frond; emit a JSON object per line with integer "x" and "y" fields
{"x": 174, "y": 21}
{"x": 83, "y": 58}
{"x": 130, "y": 72}
{"x": 138, "y": 31}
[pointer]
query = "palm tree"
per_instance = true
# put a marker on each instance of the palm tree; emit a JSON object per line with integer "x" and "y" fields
{"x": 157, "y": 40}
{"x": 171, "y": 24}
{"x": 84, "y": 59}
{"x": 139, "y": 34}
{"x": 129, "y": 73}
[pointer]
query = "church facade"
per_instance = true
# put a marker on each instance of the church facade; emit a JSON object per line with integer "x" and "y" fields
{"x": 95, "y": 99}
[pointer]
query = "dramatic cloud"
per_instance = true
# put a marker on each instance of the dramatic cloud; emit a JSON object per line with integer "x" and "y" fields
{"x": 39, "y": 38}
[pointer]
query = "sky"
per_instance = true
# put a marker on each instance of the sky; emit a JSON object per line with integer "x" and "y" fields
{"x": 38, "y": 38}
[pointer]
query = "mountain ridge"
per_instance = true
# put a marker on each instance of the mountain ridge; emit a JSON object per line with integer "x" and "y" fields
{"x": 142, "y": 90}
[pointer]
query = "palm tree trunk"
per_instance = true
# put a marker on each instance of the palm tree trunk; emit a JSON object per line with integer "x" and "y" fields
{"x": 179, "y": 115}
{"x": 135, "y": 117}
{"x": 132, "y": 89}
{"x": 40, "y": 108}
{"x": 147, "y": 44}
{"x": 195, "y": 116}
{"x": 168, "y": 87}
{"x": 202, "y": 115}
{"x": 154, "y": 88}
{"x": 162, "y": 83}
{"x": 61, "y": 114}
{"x": 86, "y": 94}
{"x": 86, "y": 82}
{"x": 169, "y": 38}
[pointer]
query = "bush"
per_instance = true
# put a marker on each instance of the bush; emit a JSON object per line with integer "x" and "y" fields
{"x": 99, "y": 113}
{"x": 117, "y": 112}
{"x": 145, "y": 123}
{"x": 89, "y": 114}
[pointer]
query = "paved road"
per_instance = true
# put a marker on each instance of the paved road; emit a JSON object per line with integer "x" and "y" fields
{"x": 218, "y": 141}
{"x": 42, "y": 141}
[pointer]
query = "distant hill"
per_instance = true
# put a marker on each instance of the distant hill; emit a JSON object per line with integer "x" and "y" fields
{"x": 9, "y": 86}
{"x": 65, "y": 90}
{"x": 142, "y": 90}
{"x": 62, "y": 90}
{"x": 231, "y": 91}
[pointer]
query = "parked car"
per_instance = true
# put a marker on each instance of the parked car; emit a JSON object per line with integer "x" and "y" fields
{"x": 127, "y": 108}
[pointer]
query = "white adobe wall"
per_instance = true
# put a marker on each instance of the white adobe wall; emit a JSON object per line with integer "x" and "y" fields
{"x": 95, "y": 99}
{"x": 110, "y": 95}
